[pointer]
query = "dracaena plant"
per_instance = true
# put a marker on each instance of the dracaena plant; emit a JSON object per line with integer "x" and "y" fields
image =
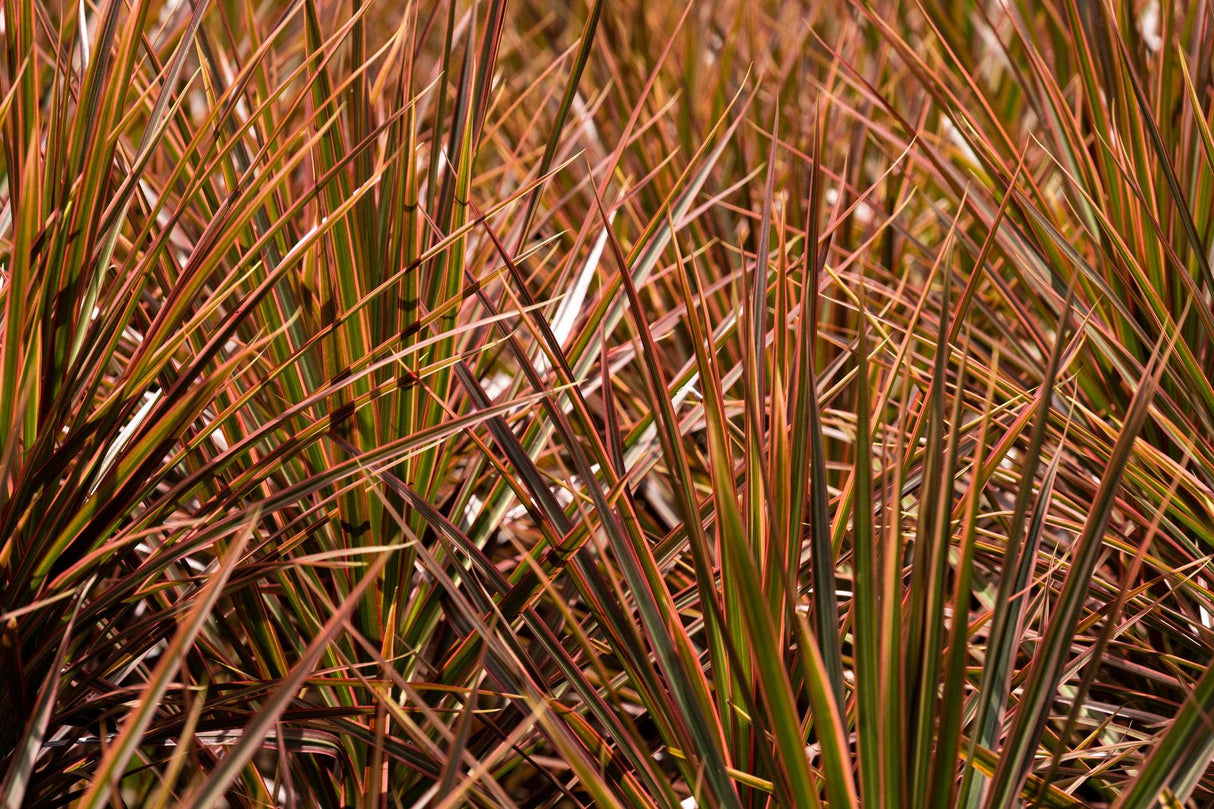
{"x": 498, "y": 403}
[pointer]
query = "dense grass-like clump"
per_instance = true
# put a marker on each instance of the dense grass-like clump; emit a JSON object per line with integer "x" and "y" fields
{"x": 629, "y": 404}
